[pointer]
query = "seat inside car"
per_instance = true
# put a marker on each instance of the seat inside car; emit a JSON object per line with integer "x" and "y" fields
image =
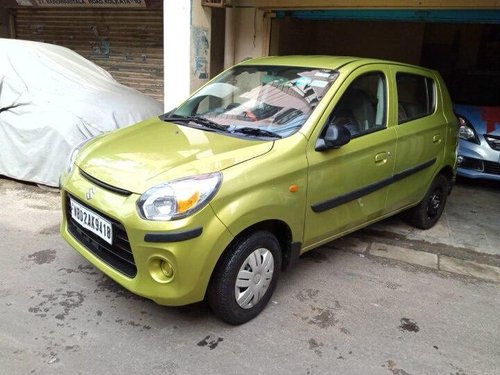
{"x": 355, "y": 106}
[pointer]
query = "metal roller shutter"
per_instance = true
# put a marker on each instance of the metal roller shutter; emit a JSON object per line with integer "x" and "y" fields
{"x": 128, "y": 43}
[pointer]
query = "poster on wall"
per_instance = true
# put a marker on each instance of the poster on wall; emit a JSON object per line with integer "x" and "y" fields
{"x": 201, "y": 48}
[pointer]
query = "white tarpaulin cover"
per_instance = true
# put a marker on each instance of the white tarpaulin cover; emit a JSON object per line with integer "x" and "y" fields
{"x": 51, "y": 99}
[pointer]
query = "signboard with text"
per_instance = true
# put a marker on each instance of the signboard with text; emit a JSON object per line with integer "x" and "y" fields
{"x": 84, "y": 3}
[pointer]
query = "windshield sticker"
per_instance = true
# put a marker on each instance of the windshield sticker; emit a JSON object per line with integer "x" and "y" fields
{"x": 317, "y": 83}
{"x": 322, "y": 75}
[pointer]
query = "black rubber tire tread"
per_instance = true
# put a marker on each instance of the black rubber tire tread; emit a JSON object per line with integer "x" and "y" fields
{"x": 220, "y": 293}
{"x": 418, "y": 215}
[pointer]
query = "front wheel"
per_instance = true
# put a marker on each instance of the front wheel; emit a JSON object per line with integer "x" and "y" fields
{"x": 245, "y": 278}
{"x": 429, "y": 210}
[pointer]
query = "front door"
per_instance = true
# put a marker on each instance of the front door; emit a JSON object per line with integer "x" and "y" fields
{"x": 347, "y": 186}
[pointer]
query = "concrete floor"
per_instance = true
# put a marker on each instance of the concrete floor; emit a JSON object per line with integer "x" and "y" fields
{"x": 337, "y": 312}
{"x": 471, "y": 220}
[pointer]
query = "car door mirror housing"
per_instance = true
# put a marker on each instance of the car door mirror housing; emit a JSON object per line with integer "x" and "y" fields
{"x": 336, "y": 136}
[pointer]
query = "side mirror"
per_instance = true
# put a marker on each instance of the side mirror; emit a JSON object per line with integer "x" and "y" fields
{"x": 335, "y": 137}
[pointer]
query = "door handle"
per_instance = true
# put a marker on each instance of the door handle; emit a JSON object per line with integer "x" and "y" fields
{"x": 436, "y": 139}
{"x": 381, "y": 157}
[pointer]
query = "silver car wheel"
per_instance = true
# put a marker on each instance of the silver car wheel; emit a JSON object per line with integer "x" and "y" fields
{"x": 254, "y": 278}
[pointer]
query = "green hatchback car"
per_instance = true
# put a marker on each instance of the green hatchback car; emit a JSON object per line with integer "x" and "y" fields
{"x": 274, "y": 157}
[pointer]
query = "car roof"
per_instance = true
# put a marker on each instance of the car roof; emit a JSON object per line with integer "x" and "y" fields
{"x": 324, "y": 61}
{"x": 46, "y": 59}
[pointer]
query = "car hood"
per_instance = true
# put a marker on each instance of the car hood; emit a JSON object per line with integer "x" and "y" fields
{"x": 154, "y": 152}
{"x": 486, "y": 120}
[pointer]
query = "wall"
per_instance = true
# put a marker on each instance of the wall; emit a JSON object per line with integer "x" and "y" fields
{"x": 4, "y": 23}
{"x": 187, "y": 44}
{"x": 250, "y": 30}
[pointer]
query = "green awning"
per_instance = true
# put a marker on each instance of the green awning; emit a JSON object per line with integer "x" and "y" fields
{"x": 490, "y": 16}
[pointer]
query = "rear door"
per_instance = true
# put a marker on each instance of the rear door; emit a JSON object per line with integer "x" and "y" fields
{"x": 421, "y": 133}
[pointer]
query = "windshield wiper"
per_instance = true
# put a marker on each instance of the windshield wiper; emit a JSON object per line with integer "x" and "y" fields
{"x": 215, "y": 126}
{"x": 197, "y": 120}
{"x": 255, "y": 131}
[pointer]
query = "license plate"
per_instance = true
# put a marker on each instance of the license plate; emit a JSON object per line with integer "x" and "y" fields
{"x": 91, "y": 221}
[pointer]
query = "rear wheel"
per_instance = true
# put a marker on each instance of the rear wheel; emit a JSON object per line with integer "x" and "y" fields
{"x": 245, "y": 278}
{"x": 426, "y": 214}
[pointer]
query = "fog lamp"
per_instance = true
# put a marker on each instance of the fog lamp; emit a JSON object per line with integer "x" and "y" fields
{"x": 161, "y": 270}
{"x": 167, "y": 268}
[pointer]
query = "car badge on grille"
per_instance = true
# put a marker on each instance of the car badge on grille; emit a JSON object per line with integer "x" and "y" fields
{"x": 90, "y": 193}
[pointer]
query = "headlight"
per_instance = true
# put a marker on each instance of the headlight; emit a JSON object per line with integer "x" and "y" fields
{"x": 178, "y": 198}
{"x": 466, "y": 130}
{"x": 73, "y": 154}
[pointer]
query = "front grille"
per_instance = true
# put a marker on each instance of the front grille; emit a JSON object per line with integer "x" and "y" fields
{"x": 491, "y": 167}
{"x": 118, "y": 255}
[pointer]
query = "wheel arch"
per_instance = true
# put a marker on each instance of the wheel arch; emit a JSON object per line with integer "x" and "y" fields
{"x": 290, "y": 251}
{"x": 447, "y": 172}
{"x": 279, "y": 228}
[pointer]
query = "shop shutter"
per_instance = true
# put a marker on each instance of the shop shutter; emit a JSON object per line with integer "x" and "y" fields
{"x": 128, "y": 43}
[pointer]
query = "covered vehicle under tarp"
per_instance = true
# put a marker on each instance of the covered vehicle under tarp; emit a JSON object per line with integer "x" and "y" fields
{"x": 52, "y": 99}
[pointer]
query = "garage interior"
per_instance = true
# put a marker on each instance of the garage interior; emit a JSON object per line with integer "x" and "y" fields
{"x": 452, "y": 42}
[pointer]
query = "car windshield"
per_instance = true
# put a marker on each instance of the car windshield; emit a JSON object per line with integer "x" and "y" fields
{"x": 257, "y": 101}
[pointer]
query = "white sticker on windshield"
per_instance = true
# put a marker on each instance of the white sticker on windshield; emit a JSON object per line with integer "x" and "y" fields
{"x": 318, "y": 83}
{"x": 322, "y": 75}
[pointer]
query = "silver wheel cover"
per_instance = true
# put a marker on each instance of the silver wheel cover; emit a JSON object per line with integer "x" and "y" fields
{"x": 254, "y": 278}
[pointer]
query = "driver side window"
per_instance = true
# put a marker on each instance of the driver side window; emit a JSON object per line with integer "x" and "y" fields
{"x": 362, "y": 107}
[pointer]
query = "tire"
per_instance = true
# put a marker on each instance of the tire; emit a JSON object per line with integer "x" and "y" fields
{"x": 245, "y": 278}
{"x": 426, "y": 214}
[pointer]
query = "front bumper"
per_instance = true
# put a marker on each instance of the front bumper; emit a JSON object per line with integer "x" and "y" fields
{"x": 192, "y": 246}
{"x": 477, "y": 174}
{"x": 478, "y": 161}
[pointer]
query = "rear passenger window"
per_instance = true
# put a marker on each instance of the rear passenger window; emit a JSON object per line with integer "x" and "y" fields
{"x": 416, "y": 96}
